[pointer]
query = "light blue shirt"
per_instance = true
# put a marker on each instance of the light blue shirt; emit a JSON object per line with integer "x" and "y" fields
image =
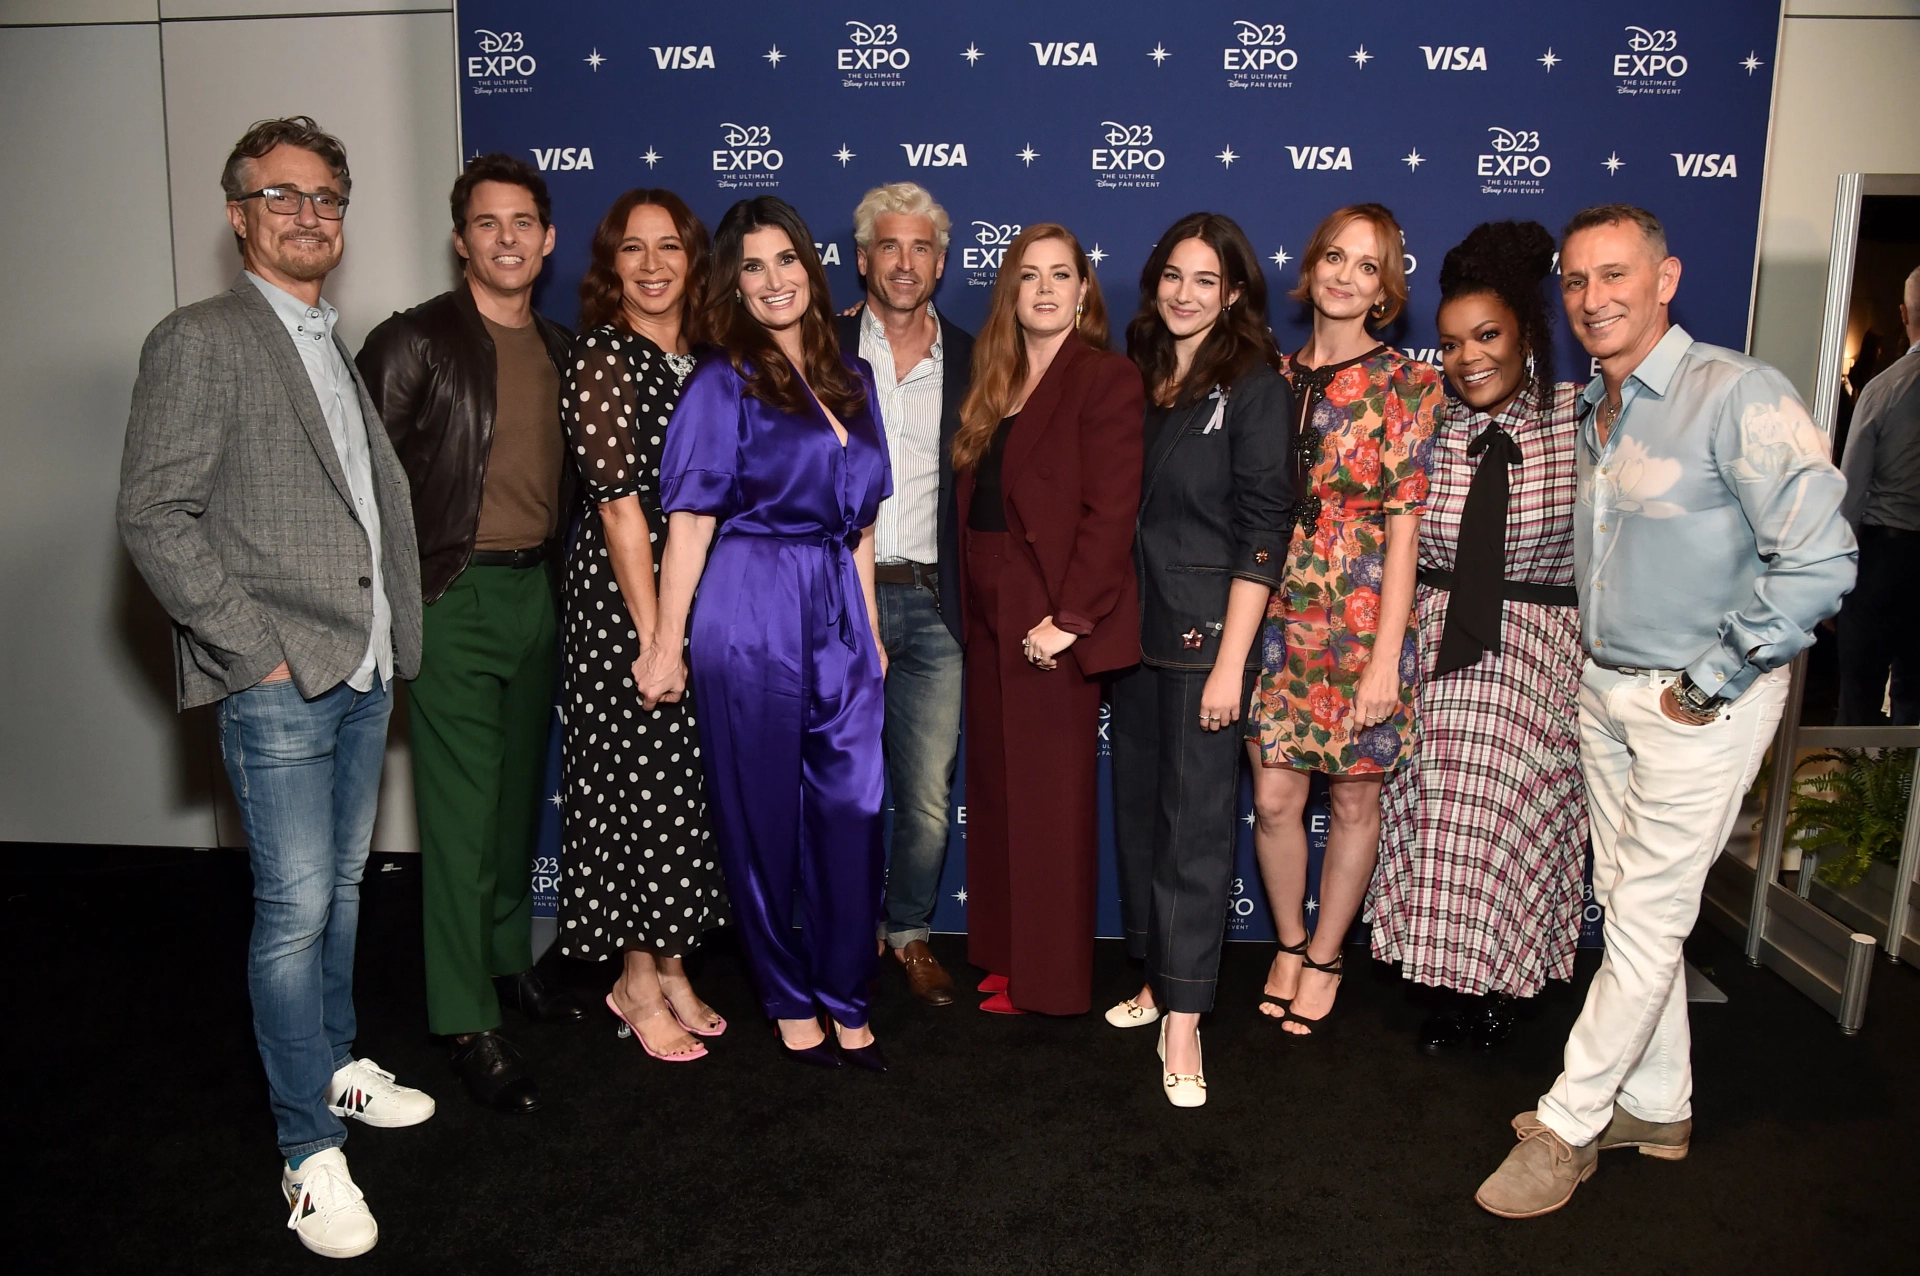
{"x": 311, "y": 328}
{"x": 1707, "y": 534}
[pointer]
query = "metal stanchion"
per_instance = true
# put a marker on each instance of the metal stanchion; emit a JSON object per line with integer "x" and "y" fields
{"x": 1903, "y": 874}
{"x": 1853, "y": 994}
{"x": 1773, "y": 829}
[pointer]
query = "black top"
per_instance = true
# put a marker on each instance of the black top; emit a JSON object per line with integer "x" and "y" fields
{"x": 989, "y": 512}
{"x": 1156, "y": 421}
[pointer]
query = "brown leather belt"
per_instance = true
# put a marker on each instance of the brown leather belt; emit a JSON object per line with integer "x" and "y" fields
{"x": 907, "y": 573}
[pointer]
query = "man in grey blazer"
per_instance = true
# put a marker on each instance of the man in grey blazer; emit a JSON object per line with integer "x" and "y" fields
{"x": 275, "y": 527}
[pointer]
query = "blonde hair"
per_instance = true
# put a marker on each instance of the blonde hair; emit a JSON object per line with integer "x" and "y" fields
{"x": 1393, "y": 258}
{"x": 906, "y": 199}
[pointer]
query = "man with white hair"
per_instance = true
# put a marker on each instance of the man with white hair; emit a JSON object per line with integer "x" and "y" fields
{"x": 1880, "y": 624}
{"x": 920, "y": 368}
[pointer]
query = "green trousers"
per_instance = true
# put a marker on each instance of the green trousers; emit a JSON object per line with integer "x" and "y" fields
{"x": 479, "y": 712}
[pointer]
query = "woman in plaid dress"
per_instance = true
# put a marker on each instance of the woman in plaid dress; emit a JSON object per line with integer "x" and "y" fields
{"x": 1478, "y": 892}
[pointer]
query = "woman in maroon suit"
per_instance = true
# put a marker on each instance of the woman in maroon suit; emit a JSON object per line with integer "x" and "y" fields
{"x": 1047, "y": 465}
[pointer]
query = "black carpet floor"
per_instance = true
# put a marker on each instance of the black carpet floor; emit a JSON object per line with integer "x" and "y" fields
{"x": 139, "y": 1140}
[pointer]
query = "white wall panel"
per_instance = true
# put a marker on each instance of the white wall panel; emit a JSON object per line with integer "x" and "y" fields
{"x": 1845, "y": 105}
{"x": 91, "y": 749}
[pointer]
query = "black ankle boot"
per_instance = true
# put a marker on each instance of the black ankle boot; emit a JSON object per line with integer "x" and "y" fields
{"x": 1499, "y": 1013}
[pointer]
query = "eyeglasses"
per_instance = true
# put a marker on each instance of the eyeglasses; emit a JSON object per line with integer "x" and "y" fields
{"x": 286, "y": 200}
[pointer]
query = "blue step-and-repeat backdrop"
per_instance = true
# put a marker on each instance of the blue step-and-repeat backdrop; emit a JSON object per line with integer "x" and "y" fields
{"x": 1116, "y": 118}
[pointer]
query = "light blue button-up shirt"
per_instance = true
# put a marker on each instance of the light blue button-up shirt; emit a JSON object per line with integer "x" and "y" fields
{"x": 311, "y": 328}
{"x": 1707, "y": 534}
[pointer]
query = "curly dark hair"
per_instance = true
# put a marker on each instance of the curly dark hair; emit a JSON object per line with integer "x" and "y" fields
{"x": 295, "y": 130}
{"x": 497, "y": 166}
{"x": 600, "y": 287}
{"x": 750, "y": 348}
{"x": 1239, "y": 339}
{"x": 1511, "y": 261}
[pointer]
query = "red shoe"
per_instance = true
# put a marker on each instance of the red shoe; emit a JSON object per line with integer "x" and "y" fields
{"x": 993, "y": 983}
{"x": 1000, "y": 1004}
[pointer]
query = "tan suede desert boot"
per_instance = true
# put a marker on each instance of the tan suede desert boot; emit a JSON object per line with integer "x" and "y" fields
{"x": 1539, "y": 1175}
{"x": 1667, "y": 1140}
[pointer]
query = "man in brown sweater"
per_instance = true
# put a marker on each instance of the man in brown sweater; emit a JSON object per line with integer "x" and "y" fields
{"x": 468, "y": 386}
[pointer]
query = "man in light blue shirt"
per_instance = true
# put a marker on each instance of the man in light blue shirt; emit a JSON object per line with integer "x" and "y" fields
{"x": 1708, "y": 544}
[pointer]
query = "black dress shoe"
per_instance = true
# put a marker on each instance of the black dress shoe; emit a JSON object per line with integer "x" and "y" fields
{"x": 867, "y": 1056}
{"x": 1496, "y": 1020}
{"x": 494, "y": 1073}
{"x": 1444, "y": 1030}
{"x": 538, "y": 1000}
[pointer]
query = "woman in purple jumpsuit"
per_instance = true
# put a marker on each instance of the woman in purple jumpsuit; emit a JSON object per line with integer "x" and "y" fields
{"x": 775, "y": 459}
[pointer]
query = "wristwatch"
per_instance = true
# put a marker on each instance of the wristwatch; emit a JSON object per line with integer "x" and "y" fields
{"x": 1694, "y": 700}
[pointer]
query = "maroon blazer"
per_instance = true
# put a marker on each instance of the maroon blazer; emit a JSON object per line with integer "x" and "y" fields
{"x": 1071, "y": 479}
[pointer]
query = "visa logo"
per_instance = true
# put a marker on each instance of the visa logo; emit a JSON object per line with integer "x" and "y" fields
{"x": 1321, "y": 158}
{"x": 1072, "y": 53}
{"x": 563, "y": 158}
{"x": 1454, "y": 57}
{"x": 1698, "y": 165}
{"x": 936, "y": 154}
{"x": 683, "y": 57}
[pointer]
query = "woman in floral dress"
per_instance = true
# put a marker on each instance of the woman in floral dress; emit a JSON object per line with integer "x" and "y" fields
{"x": 1478, "y": 895}
{"x": 1323, "y": 702}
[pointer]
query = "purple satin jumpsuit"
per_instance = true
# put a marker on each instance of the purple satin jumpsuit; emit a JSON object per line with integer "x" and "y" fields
{"x": 787, "y": 677}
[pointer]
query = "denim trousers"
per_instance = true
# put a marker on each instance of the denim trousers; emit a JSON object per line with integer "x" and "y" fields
{"x": 1176, "y": 789}
{"x": 306, "y": 775}
{"x": 1663, "y": 797}
{"x": 922, "y": 738}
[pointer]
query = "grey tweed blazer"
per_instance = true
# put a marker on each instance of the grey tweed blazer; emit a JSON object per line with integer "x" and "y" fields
{"x": 235, "y": 509}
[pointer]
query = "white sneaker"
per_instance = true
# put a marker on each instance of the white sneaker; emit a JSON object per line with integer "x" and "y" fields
{"x": 329, "y": 1212}
{"x": 365, "y": 1092}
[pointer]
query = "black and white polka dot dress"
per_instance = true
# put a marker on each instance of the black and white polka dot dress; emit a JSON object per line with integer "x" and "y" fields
{"x": 641, "y": 869}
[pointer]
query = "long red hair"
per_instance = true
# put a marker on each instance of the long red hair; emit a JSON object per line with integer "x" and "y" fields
{"x": 1000, "y": 351}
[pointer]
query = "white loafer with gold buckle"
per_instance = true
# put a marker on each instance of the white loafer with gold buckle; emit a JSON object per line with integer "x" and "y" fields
{"x": 1131, "y": 1014}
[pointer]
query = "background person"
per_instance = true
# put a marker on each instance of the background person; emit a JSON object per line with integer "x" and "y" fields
{"x": 1337, "y": 657}
{"x": 1880, "y": 620}
{"x": 1685, "y": 675}
{"x": 1216, "y": 510}
{"x": 468, "y": 385}
{"x": 920, "y": 364}
{"x": 642, "y": 875}
{"x": 1484, "y": 829}
{"x": 273, "y": 524}
{"x": 1048, "y": 464}
{"x": 777, "y": 461}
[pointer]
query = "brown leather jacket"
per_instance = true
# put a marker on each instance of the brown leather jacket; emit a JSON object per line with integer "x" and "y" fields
{"x": 431, "y": 373}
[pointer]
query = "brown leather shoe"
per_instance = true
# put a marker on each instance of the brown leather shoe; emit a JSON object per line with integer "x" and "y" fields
{"x": 926, "y": 978}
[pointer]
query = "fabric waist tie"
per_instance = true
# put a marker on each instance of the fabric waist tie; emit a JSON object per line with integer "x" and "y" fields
{"x": 836, "y": 549}
{"x": 1515, "y": 591}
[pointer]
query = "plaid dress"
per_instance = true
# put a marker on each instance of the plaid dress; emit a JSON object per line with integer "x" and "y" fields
{"x": 1484, "y": 831}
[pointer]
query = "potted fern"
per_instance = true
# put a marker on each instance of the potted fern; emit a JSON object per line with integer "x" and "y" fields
{"x": 1851, "y": 815}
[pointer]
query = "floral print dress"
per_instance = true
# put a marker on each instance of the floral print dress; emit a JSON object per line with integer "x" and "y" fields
{"x": 1365, "y": 427}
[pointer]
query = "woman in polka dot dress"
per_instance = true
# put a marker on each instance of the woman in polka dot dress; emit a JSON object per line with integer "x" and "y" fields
{"x": 642, "y": 876}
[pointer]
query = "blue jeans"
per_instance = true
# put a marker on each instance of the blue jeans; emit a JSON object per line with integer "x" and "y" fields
{"x": 306, "y": 774}
{"x": 922, "y": 741}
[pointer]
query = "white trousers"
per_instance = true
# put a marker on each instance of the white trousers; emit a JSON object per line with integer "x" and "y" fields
{"x": 1663, "y": 797}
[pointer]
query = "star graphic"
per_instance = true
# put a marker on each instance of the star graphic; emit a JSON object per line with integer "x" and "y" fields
{"x": 1413, "y": 159}
{"x": 961, "y": 895}
{"x": 594, "y": 59}
{"x": 773, "y": 55}
{"x": 1613, "y": 163}
{"x": 1752, "y": 63}
{"x": 843, "y": 155}
{"x": 1549, "y": 60}
{"x": 1279, "y": 258}
{"x": 1312, "y": 905}
{"x": 652, "y": 157}
{"x": 971, "y": 53}
{"x": 1027, "y": 154}
{"x": 1227, "y": 157}
{"x": 1361, "y": 57}
{"x": 555, "y": 799}
{"x": 1096, "y": 256}
{"x": 1248, "y": 819}
{"x": 1159, "y": 54}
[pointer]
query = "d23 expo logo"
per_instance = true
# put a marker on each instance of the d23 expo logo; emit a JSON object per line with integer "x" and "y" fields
{"x": 747, "y": 160}
{"x": 502, "y": 65}
{"x": 874, "y": 58}
{"x": 1652, "y": 64}
{"x": 1259, "y": 57}
{"x": 981, "y": 259}
{"x": 1129, "y": 160}
{"x": 1514, "y": 165}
